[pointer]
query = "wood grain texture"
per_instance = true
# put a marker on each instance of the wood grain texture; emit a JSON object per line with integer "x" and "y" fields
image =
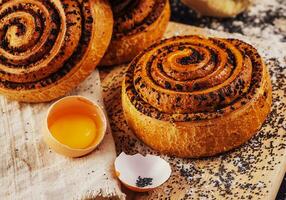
{"x": 30, "y": 170}
{"x": 253, "y": 171}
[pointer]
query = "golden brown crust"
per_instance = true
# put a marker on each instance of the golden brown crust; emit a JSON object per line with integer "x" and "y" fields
{"x": 138, "y": 24}
{"x": 68, "y": 40}
{"x": 209, "y": 125}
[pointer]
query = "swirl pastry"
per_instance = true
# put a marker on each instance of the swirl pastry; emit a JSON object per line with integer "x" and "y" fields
{"x": 137, "y": 24}
{"x": 191, "y": 96}
{"x": 47, "y": 47}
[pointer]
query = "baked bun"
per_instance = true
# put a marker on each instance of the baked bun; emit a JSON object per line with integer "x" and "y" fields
{"x": 137, "y": 24}
{"x": 191, "y": 96}
{"x": 225, "y": 8}
{"x": 48, "y": 47}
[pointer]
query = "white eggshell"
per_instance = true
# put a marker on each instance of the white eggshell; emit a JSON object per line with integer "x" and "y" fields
{"x": 130, "y": 167}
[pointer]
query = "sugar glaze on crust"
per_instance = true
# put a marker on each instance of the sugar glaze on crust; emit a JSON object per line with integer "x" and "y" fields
{"x": 137, "y": 24}
{"x": 200, "y": 96}
{"x": 48, "y": 47}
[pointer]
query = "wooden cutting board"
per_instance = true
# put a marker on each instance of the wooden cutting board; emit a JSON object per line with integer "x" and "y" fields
{"x": 252, "y": 171}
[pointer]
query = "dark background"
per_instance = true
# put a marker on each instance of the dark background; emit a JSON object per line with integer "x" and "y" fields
{"x": 259, "y": 22}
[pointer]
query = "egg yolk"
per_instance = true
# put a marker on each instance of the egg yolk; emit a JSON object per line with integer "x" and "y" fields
{"x": 74, "y": 130}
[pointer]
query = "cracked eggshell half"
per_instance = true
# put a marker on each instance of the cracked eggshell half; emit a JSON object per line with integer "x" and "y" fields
{"x": 132, "y": 169}
{"x": 68, "y": 105}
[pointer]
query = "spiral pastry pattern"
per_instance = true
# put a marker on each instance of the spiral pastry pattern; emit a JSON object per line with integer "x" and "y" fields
{"x": 191, "y": 79}
{"x": 137, "y": 25}
{"x": 47, "y": 47}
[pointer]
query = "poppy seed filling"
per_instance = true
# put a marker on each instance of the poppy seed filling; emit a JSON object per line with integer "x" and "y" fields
{"x": 199, "y": 78}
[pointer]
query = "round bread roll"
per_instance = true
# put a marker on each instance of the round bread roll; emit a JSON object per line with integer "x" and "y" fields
{"x": 218, "y": 8}
{"x": 192, "y": 96}
{"x": 137, "y": 24}
{"x": 47, "y": 47}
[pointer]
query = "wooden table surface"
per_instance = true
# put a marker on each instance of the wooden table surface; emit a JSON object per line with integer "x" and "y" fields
{"x": 253, "y": 171}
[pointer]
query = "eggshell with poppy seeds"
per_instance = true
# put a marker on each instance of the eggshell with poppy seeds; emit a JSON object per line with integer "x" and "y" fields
{"x": 142, "y": 173}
